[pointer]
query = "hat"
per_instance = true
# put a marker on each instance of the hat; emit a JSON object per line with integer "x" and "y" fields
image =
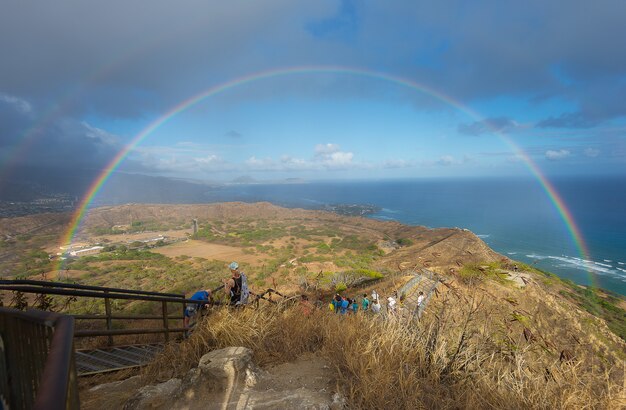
{"x": 233, "y": 266}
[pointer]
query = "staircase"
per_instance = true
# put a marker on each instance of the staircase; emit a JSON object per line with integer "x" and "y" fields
{"x": 423, "y": 281}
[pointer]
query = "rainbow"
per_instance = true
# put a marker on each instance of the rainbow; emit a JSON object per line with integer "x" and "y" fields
{"x": 553, "y": 195}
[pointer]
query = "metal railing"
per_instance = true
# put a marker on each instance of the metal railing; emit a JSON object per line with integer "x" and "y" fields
{"x": 37, "y": 368}
{"x": 108, "y": 294}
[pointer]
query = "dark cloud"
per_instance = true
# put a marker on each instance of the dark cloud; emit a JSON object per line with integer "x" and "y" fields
{"x": 570, "y": 120}
{"x": 60, "y": 143}
{"x": 122, "y": 59}
{"x": 487, "y": 126}
{"x": 600, "y": 101}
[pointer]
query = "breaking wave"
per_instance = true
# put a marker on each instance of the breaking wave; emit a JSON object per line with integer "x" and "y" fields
{"x": 583, "y": 264}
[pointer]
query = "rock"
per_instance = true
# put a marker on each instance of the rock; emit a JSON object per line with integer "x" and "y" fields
{"x": 226, "y": 366}
{"x": 130, "y": 383}
{"x": 339, "y": 402}
{"x": 228, "y": 379}
{"x": 153, "y": 396}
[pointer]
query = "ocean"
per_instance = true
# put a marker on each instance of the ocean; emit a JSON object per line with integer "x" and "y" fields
{"x": 514, "y": 216}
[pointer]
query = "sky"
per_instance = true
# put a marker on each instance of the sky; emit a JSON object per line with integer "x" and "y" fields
{"x": 335, "y": 89}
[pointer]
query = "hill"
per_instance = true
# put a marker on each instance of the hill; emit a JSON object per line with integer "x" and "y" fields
{"x": 492, "y": 320}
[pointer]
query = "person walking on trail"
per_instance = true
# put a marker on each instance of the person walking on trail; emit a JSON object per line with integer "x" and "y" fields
{"x": 203, "y": 297}
{"x": 375, "y": 306}
{"x": 236, "y": 286}
{"x": 336, "y": 303}
{"x": 420, "y": 303}
{"x": 344, "y": 306}
{"x": 355, "y": 306}
{"x": 420, "y": 300}
{"x": 391, "y": 306}
{"x": 365, "y": 303}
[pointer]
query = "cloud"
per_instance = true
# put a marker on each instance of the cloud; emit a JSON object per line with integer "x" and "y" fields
{"x": 141, "y": 68}
{"x": 60, "y": 142}
{"x": 488, "y": 126}
{"x": 556, "y": 155}
{"x": 326, "y": 149}
{"x": 446, "y": 160}
{"x": 20, "y": 105}
{"x": 397, "y": 163}
{"x": 569, "y": 120}
{"x": 591, "y": 152}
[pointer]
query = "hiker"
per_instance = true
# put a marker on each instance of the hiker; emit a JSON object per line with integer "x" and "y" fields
{"x": 375, "y": 295}
{"x": 365, "y": 303}
{"x": 237, "y": 286}
{"x": 192, "y": 308}
{"x": 344, "y": 305}
{"x": 391, "y": 306}
{"x": 420, "y": 299}
{"x": 375, "y": 306}
{"x": 355, "y": 306}
{"x": 336, "y": 303}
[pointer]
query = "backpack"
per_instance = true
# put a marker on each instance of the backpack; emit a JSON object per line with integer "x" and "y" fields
{"x": 245, "y": 291}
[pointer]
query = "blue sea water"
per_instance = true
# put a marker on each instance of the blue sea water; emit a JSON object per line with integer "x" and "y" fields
{"x": 514, "y": 216}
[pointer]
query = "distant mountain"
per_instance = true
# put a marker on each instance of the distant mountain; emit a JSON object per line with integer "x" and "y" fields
{"x": 31, "y": 183}
{"x": 244, "y": 179}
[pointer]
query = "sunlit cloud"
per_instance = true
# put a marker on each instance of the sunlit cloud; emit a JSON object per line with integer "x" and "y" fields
{"x": 556, "y": 155}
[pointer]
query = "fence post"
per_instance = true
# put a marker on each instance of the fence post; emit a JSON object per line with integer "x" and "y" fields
{"x": 165, "y": 321}
{"x": 107, "y": 309}
{"x": 184, "y": 308}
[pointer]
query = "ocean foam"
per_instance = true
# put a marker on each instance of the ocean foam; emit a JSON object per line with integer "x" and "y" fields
{"x": 603, "y": 264}
{"x": 383, "y": 217}
{"x": 390, "y": 211}
{"x": 483, "y": 236}
{"x": 583, "y": 264}
{"x": 511, "y": 253}
{"x": 607, "y": 260}
{"x": 621, "y": 263}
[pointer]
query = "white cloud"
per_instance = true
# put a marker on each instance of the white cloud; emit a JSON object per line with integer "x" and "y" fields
{"x": 555, "y": 155}
{"x": 326, "y": 149}
{"x": 397, "y": 163}
{"x": 446, "y": 160}
{"x": 591, "y": 152}
{"x": 22, "y": 106}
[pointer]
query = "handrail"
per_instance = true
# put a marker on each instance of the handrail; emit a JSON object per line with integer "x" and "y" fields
{"x": 83, "y": 287}
{"x": 64, "y": 289}
{"x": 94, "y": 294}
{"x": 30, "y": 338}
{"x": 105, "y": 293}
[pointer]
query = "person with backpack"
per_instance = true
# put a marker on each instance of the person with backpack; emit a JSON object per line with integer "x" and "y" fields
{"x": 365, "y": 303}
{"x": 343, "y": 309}
{"x": 376, "y": 306}
{"x": 236, "y": 287}
{"x": 336, "y": 303}
{"x": 203, "y": 297}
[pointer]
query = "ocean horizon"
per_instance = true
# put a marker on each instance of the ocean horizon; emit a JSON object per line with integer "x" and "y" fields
{"x": 514, "y": 216}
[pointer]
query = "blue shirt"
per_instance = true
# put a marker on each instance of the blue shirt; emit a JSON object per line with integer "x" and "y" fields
{"x": 201, "y": 295}
{"x": 344, "y": 306}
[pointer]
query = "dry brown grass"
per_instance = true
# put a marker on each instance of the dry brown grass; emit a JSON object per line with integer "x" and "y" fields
{"x": 438, "y": 363}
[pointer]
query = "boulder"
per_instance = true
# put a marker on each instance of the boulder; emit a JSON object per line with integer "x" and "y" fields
{"x": 153, "y": 396}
